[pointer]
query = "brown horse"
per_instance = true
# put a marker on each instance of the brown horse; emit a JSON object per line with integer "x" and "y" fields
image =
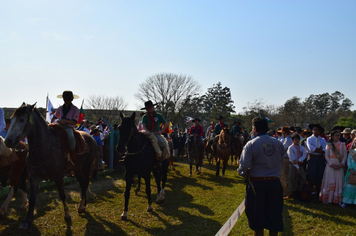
{"x": 236, "y": 148}
{"x": 15, "y": 170}
{"x": 47, "y": 156}
{"x": 222, "y": 150}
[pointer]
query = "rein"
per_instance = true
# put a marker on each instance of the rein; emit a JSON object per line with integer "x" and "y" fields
{"x": 134, "y": 153}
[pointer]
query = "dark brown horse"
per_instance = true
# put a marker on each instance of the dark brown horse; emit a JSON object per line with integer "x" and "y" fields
{"x": 15, "y": 170}
{"x": 47, "y": 158}
{"x": 140, "y": 160}
{"x": 209, "y": 150}
{"x": 195, "y": 154}
{"x": 222, "y": 150}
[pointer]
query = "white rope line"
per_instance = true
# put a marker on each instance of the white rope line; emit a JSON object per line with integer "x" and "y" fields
{"x": 229, "y": 224}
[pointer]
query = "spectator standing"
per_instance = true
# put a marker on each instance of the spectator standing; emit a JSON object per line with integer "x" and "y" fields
{"x": 261, "y": 164}
{"x": 297, "y": 174}
{"x": 346, "y": 133}
{"x": 285, "y": 172}
{"x": 349, "y": 193}
{"x": 333, "y": 180}
{"x": 315, "y": 146}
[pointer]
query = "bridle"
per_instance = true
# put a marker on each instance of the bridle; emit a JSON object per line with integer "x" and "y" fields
{"x": 127, "y": 141}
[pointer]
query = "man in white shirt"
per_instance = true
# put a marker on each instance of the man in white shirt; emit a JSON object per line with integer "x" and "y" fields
{"x": 315, "y": 147}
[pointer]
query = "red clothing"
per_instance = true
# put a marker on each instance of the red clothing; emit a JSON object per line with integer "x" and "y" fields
{"x": 198, "y": 130}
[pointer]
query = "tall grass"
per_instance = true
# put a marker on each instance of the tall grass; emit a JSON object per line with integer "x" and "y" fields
{"x": 197, "y": 205}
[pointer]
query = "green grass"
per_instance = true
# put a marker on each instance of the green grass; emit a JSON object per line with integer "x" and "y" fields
{"x": 197, "y": 205}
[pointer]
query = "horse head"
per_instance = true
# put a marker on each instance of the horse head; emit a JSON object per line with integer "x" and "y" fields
{"x": 126, "y": 130}
{"x": 224, "y": 137}
{"x": 191, "y": 142}
{"x": 21, "y": 124}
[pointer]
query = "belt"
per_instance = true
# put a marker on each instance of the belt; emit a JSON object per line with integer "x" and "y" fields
{"x": 253, "y": 179}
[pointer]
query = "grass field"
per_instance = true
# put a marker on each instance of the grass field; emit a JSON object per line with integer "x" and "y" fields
{"x": 197, "y": 205}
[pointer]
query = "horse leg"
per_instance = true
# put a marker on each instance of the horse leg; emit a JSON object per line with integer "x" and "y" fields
{"x": 148, "y": 191}
{"x": 224, "y": 164}
{"x": 158, "y": 174}
{"x": 217, "y": 167}
{"x": 128, "y": 178}
{"x": 139, "y": 184}
{"x": 34, "y": 186}
{"x": 164, "y": 172}
{"x": 83, "y": 180}
{"x": 60, "y": 186}
{"x": 190, "y": 168}
{"x": 4, "y": 206}
{"x": 24, "y": 199}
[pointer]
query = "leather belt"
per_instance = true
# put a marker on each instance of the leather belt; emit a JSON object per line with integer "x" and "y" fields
{"x": 253, "y": 179}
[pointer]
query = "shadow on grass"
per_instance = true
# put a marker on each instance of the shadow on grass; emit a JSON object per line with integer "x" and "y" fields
{"x": 96, "y": 226}
{"x": 332, "y": 212}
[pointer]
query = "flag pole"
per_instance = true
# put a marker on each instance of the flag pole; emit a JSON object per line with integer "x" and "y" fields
{"x": 46, "y": 102}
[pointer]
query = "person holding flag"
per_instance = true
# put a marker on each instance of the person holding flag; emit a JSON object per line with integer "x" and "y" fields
{"x": 67, "y": 115}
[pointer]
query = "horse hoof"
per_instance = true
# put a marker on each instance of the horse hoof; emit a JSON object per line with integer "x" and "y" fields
{"x": 199, "y": 172}
{"x": 150, "y": 209}
{"x": 81, "y": 210}
{"x": 68, "y": 219}
{"x": 190, "y": 175}
{"x": 24, "y": 226}
{"x": 161, "y": 201}
{"x": 124, "y": 218}
{"x": 138, "y": 189}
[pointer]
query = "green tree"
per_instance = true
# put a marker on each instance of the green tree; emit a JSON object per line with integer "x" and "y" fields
{"x": 217, "y": 102}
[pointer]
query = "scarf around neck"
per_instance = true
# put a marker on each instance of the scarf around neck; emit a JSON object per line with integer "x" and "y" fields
{"x": 151, "y": 122}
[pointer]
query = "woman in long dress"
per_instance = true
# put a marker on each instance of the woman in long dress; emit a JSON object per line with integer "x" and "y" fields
{"x": 349, "y": 194}
{"x": 333, "y": 180}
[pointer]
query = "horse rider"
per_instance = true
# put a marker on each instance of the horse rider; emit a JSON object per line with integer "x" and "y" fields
{"x": 198, "y": 131}
{"x": 67, "y": 116}
{"x": 220, "y": 126}
{"x": 154, "y": 123}
{"x": 210, "y": 131}
{"x": 236, "y": 131}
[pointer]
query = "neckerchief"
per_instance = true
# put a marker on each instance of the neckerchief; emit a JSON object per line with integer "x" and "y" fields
{"x": 221, "y": 126}
{"x": 65, "y": 111}
{"x": 298, "y": 151}
{"x": 151, "y": 122}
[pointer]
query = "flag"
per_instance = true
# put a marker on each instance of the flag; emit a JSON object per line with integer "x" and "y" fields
{"x": 49, "y": 111}
{"x": 81, "y": 114}
{"x": 265, "y": 117}
{"x": 187, "y": 119}
{"x": 170, "y": 128}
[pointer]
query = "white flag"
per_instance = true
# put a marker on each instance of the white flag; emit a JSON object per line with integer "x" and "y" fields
{"x": 50, "y": 111}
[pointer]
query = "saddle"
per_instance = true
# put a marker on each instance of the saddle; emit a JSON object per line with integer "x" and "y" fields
{"x": 63, "y": 137}
{"x": 160, "y": 151}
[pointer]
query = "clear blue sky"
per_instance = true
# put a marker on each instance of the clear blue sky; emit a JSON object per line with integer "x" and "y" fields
{"x": 272, "y": 50}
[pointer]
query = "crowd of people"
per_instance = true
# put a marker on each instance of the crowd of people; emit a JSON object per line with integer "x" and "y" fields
{"x": 283, "y": 164}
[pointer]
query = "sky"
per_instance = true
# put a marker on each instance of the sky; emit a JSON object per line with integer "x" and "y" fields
{"x": 269, "y": 49}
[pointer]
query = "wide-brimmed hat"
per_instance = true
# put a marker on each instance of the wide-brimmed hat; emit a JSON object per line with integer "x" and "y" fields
{"x": 67, "y": 94}
{"x": 353, "y": 131}
{"x": 338, "y": 127}
{"x": 286, "y": 129}
{"x": 212, "y": 122}
{"x": 196, "y": 119}
{"x": 220, "y": 118}
{"x": 148, "y": 104}
{"x": 306, "y": 132}
{"x": 346, "y": 131}
{"x": 311, "y": 126}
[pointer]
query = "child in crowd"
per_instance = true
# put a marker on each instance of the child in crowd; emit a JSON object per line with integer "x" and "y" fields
{"x": 297, "y": 174}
